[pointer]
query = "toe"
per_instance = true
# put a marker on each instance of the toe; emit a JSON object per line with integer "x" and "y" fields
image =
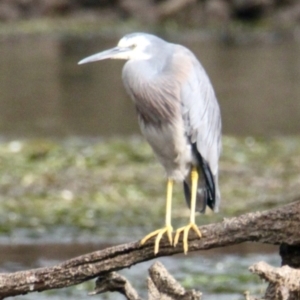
{"x": 186, "y": 229}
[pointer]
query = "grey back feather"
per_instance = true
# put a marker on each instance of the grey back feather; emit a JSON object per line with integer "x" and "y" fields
{"x": 200, "y": 111}
{"x": 183, "y": 85}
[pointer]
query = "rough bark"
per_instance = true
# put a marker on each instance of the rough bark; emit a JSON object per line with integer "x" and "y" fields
{"x": 275, "y": 226}
{"x": 161, "y": 285}
{"x": 114, "y": 282}
{"x": 284, "y": 281}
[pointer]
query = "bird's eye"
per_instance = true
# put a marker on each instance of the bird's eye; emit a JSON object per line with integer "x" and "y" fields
{"x": 133, "y": 46}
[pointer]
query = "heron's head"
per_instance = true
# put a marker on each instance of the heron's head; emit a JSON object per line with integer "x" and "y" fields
{"x": 135, "y": 46}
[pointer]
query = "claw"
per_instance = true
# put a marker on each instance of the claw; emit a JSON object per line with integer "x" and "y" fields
{"x": 185, "y": 230}
{"x": 159, "y": 233}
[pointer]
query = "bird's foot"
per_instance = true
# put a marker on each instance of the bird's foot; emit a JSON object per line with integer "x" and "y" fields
{"x": 159, "y": 233}
{"x": 185, "y": 230}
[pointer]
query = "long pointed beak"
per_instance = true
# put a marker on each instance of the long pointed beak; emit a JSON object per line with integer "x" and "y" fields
{"x": 114, "y": 53}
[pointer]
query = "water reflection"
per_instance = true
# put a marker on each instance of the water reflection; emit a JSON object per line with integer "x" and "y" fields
{"x": 44, "y": 92}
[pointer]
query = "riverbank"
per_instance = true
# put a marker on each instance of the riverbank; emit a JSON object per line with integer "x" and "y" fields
{"x": 115, "y": 188}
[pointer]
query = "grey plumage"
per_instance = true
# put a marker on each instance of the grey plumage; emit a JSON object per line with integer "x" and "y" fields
{"x": 177, "y": 107}
{"x": 179, "y": 116}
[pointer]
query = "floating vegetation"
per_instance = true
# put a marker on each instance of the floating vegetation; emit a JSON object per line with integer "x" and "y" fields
{"x": 99, "y": 186}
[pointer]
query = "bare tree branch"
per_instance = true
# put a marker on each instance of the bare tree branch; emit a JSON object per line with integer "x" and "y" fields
{"x": 166, "y": 285}
{"x": 161, "y": 285}
{"x": 275, "y": 226}
{"x": 286, "y": 276}
{"x": 284, "y": 281}
{"x": 114, "y": 282}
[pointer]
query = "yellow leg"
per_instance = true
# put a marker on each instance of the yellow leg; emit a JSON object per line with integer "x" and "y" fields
{"x": 168, "y": 229}
{"x": 192, "y": 224}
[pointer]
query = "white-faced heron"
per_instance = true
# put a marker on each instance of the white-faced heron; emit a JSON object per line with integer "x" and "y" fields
{"x": 179, "y": 116}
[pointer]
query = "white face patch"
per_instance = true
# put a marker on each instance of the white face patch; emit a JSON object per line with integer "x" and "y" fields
{"x": 138, "y": 45}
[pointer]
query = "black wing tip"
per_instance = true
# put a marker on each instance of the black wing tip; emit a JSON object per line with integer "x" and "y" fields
{"x": 201, "y": 201}
{"x": 209, "y": 179}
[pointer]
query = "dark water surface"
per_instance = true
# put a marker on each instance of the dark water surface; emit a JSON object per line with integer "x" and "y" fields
{"x": 45, "y": 92}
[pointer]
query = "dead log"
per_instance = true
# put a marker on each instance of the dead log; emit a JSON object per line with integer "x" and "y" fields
{"x": 161, "y": 285}
{"x": 276, "y": 226}
{"x": 114, "y": 282}
{"x": 284, "y": 281}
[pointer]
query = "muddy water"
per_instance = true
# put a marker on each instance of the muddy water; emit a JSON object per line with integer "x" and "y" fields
{"x": 45, "y": 93}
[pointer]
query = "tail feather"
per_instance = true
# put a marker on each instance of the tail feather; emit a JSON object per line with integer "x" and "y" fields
{"x": 201, "y": 198}
{"x": 206, "y": 193}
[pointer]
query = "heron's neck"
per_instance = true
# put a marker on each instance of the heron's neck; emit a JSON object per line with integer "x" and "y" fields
{"x": 145, "y": 68}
